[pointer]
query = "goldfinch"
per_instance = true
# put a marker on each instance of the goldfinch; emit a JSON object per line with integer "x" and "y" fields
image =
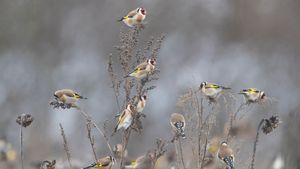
{"x": 141, "y": 103}
{"x": 178, "y": 124}
{"x": 211, "y": 90}
{"x": 117, "y": 150}
{"x": 125, "y": 119}
{"x": 134, "y": 17}
{"x": 103, "y": 163}
{"x": 143, "y": 69}
{"x": 225, "y": 154}
{"x": 142, "y": 162}
{"x": 67, "y": 96}
{"x": 7, "y": 152}
{"x": 253, "y": 95}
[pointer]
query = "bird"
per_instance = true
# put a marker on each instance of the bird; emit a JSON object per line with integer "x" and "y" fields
{"x": 225, "y": 154}
{"x": 103, "y": 163}
{"x": 7, "y": 152}
{"x": 142, "y": 162}
{"x": 134, "y": 17}
{"x": 67, "y": 96}
{"x": 253, "y": 95}
{"x": 118, "y": 150}
{"x": 211, "y": 90}
{"x": 125, "y": 119}
{"x": 178, "y": 124}
{"x": 141, "y": 103}
{"x": 143, "y": 69}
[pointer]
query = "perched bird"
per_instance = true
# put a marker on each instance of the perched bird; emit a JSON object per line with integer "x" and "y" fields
{"x": 7, "y": 152}
{"x": 67, "y": 96}
{"x": 211, "y": 90}
{"x": 117, "y": 150}
{"x": 141, "y": 103}
{"x": 143, "y": 69}
{"x": 134, "y": 17}
{"x": 125, "y": 119}
{"x": 253, "y": 95}
{"x": 225, "y": 154}
{"x": 103, "y": 163}
{"x": 213, "y": 146}
{"x": 178, "y": 124}
{"x": 142, "y": 162}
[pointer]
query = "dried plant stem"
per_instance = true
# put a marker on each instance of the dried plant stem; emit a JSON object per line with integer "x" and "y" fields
{"x": 177, "y": 154}
{"x": 255, "y": 143}
{"x": 125, "y": 141}
{"x": 89, "y": 119}
{"x": 200, "y": 116}
{"x": 233, "y": 118}
{"x": 181, "y": 153}
{"x": 91, "y": 139}
{"x": 21, "y": 146}
{"x": 204, "y": 153}
{"x": 113, "y": 79}
{"x": 65, "y": 145}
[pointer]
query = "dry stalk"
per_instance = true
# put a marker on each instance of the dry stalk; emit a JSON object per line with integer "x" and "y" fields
{"x": 125, "y": 140}
{"x": 21, "y": 145}
{"x": 233, "y": 118}
{"x": 255, "y": 143}
{"x": 24, "y": 120}
{"x": 89, "y": 119}
{"x": 66, "y": 148}
{"x": 114, "y": 81}
{"x": 181, "y": 153}
{"x": 159, "y": 151}
{"x": 91, "y": 138}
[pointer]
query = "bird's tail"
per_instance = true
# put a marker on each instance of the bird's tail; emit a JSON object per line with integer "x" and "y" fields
{"x": 81, "y": 97}
{"x": 116, "y": 128}
{"x": 229, "y": 162}
{"x": 90, "y": 166}
{"x": 120, "y": 20}
{"x": 225, "y": 88}
{"x": 241, "y": 92}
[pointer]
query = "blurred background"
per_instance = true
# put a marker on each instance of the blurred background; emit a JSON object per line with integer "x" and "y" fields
{"x": 48, "y": 45}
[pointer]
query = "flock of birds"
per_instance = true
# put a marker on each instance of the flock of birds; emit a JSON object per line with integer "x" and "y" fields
{"x": 68, "y": 98}
{"x": 177, "y": 120}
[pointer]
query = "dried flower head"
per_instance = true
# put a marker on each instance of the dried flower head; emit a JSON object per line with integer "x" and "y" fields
{"x": 270, "y": 124}
{"x": 48, "y": 165}
{"x": 57, "y": 104}
{"x": 24, "y": 120}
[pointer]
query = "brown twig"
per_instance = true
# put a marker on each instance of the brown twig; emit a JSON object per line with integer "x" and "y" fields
{"x": 255, "y": 143}
{"x": 233, "y": 118}
{"x": 181, "y": 153}
{"x": 204, "y": 153}
{"x": 114, "y": 81}
{"x": 91, "y": 138}
{"x": 125, "y": 140}
{"x": 21, "y": 145}
{"x": 66, "y": 148}
{"x": 88, "y": 118}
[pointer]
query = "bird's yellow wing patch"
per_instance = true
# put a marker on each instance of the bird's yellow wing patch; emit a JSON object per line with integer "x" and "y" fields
{"x": 121, "y": 118}
{"x": 251, "y": 90}
{"x": 212, "y": 86}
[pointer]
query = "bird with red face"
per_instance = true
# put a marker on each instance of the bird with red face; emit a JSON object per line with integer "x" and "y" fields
{"x": 134, "y": 17}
